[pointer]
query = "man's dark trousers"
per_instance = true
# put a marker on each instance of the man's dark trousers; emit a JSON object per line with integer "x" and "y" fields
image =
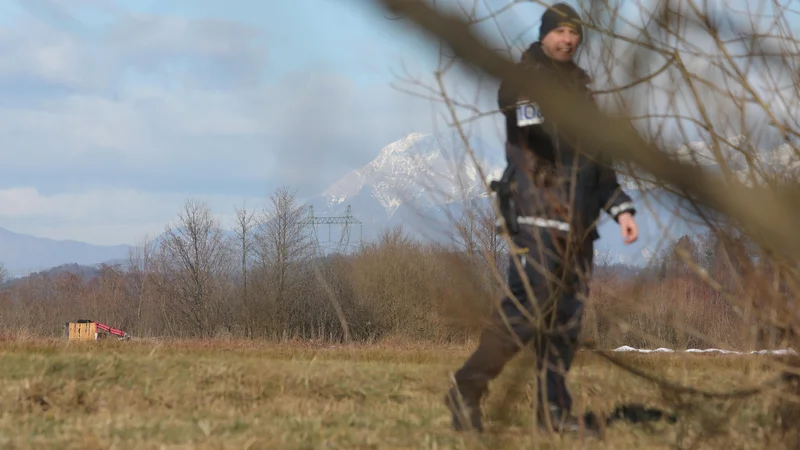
{"x": 557, "y": 274}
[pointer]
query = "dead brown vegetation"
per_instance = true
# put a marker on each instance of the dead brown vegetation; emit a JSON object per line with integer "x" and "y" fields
{"x": 211, "y": 394}
{"x": 395, "y": 289}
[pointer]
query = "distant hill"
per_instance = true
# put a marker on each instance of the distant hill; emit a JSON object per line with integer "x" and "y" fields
{"x": 23, "y": 253}
{"x": 82, "y": 271}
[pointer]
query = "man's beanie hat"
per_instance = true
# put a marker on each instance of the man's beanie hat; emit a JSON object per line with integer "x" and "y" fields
{"x": 559, "y": 15}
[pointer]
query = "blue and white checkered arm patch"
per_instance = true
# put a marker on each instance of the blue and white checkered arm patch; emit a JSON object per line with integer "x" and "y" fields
{"x": 540, "y": 222}
{"x": 614, "y": 211}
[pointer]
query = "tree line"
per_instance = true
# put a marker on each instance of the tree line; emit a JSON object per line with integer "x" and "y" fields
{"x": 266, "y": 280}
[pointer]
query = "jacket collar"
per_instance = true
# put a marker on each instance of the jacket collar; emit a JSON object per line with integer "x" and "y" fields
{"x": 534, "y": 53}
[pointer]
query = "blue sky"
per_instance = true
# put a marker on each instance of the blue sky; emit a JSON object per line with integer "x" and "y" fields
{"x": 114, "y": 112}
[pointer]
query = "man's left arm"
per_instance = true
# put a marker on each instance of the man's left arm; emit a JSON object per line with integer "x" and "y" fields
{"x": 617, "y": 203}
{"x": 613, "y": 199}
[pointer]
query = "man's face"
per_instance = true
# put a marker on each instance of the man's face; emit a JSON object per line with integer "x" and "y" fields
{"x": 561, "y": 43}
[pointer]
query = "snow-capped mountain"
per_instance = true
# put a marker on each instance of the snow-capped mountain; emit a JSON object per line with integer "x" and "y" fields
{"x": 413, "y": 182}
{"x": 424, "y": 181}
{"x": 746, "y": 162}
{"x": 420, "y": 171}
{"x": 740, "y": 155}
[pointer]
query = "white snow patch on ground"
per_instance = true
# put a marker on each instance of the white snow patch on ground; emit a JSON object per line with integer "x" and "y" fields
{"x": 626, "y": 348}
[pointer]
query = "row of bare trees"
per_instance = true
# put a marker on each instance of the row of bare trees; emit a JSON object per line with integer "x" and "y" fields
{"x": 204, "y": 273}
{"x": 265, "y": 281}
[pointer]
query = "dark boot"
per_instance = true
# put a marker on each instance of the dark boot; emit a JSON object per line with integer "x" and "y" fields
{"x": 465, "y": 410}
{"x": 471, "y": 380}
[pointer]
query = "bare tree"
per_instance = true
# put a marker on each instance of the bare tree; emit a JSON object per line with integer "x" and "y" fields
{"x": 194, "y": 261}
{"x": 246, "y": 223}
{"x": 476, "y": 234}
{"x": 493, "y": 247}
{"x": 140, "y": 260}
{"x": 465, "y": 234}
{"x": 281, "y": 244}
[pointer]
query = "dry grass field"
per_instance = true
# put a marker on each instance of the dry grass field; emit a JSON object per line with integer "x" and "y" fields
{"x": 236, "y": 395}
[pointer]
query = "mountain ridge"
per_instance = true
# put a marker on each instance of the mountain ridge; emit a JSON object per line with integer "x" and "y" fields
{"x": 25, "y": 253}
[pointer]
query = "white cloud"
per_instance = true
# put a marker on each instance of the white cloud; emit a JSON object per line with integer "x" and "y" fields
{"x": 109, "y": 130}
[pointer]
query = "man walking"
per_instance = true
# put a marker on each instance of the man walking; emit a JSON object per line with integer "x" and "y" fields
{"x": 551, "y": 197}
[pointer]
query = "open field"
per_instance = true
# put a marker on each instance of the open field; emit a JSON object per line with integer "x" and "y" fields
{"x": 230, "y": 394}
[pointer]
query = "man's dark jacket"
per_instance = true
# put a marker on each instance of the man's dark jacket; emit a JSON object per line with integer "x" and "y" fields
{"x": 550, "y": 159}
